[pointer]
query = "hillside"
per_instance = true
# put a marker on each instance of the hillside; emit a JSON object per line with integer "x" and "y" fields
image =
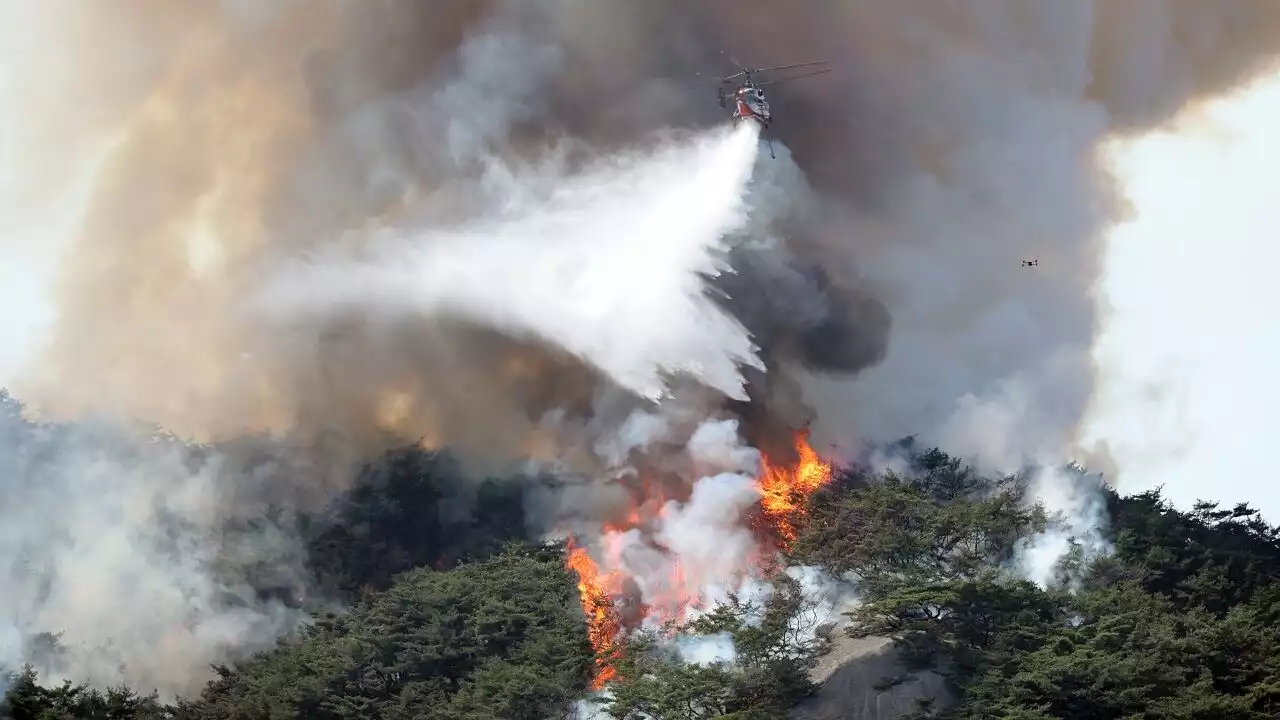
{"x": 466, "y": 618}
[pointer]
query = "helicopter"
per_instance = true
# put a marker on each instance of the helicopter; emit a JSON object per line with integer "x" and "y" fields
{"x": 747, "y": 95}
{"x": 1031, "y": 263}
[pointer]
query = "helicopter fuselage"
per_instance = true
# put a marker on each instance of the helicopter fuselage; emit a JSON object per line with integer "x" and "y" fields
{"x": 749, "y": 103}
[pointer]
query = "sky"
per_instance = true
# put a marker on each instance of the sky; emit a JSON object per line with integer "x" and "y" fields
{"x": 26, "y": 234}
{"x": 1190, "y": 344}
{"x": 30, "y": 239}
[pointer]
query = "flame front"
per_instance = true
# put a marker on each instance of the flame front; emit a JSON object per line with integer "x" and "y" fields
{"x": 603, "y": 623}
{"x": 783, "y": 490}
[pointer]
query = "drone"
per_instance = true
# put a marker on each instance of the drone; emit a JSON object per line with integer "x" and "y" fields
{"x": 747, "y": 94}
{"x": 1031, "y": 263}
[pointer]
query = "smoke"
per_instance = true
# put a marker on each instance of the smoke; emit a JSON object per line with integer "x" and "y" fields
{"x": 377, "y": 221}
{"x": 1077, "y": 516}
{"x": 961, "y": 140}
{"x": 950, "y": 143}
{"x": 675, "y": 510}
{"x": 146, "y": 558}
{"x": 706, "y": 650}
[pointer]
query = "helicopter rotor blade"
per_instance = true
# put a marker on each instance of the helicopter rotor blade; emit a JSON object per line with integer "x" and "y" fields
{"x": 744, "y": 71}
{"x": 792, "y": 65}
{"x": 795, "y": 77}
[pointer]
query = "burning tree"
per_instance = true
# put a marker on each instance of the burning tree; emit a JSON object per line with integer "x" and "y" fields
{"x": 604, "y": 626}
{"x": 784, "y": 489}
{"x": 778, "y": 495}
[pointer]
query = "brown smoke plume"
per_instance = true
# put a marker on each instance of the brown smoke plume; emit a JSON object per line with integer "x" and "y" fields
{"x": 243, "y": 131}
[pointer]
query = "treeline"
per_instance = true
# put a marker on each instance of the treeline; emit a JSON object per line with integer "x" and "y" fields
{"x": 502, "y": 638}
{"x": 457, "y": 615}
{"x": 462, "y": 626}
{"x": 1178, "y": 621}
{"x": 451, "y": 611}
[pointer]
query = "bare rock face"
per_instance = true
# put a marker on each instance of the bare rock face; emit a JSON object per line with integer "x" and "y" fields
{"x": 848, "y": 677}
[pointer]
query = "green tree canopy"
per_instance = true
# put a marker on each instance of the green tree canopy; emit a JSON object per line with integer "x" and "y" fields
{"x": 448, "y": 619}
{"x": 499, "y": 638}
{"x": 1179, "y": 621}
{"x": 776, "y": 642}
{"x": 940, "y": 522}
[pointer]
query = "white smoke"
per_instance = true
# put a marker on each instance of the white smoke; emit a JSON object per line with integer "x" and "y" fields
{"x": 638, "y": 432}
{"x": 608, "y": 264}
{"x": 694, "y": 551}
{"x": 990, "y": 431}
{"x": 1077, "y": 512}
{"x": 594, "y": 707}
{"x": 122, "y": 548}
{"x": 716, "y": 444}
{"x": 705, "y": 650}
{"x": 707, "y": 544}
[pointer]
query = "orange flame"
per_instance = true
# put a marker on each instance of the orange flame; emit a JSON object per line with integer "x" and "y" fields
{"x": 783, "y": 489}
{"x": 603, "y": 623}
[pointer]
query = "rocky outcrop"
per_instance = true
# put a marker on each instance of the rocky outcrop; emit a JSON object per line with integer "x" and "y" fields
{"x": 848, "y": 677}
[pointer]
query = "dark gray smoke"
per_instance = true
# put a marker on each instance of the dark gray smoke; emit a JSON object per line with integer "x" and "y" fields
{"x": 177, "y": 154}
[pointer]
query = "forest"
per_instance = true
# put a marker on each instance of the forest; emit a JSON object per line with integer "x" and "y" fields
{"x": 465, "y": 616}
